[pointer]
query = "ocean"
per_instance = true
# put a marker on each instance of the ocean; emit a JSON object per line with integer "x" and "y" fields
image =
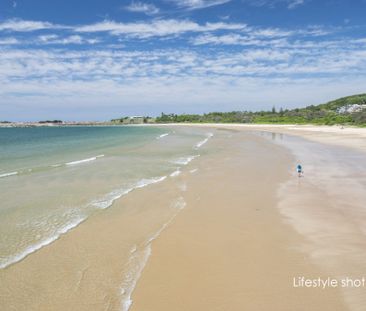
{"x": 54, "y": 178}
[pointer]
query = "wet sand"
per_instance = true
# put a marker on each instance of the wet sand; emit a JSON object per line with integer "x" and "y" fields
{"x": 94, "y": 266}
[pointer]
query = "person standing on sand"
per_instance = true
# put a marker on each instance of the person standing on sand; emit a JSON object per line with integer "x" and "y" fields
{"x": 299, "y": 170}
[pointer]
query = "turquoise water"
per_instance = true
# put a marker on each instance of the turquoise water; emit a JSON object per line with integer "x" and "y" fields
{"x": 33, "y": 148}
{"x": 54, "y": 178}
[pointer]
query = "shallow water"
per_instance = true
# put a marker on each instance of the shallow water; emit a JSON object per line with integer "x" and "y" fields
{"x": 53, "y": 179}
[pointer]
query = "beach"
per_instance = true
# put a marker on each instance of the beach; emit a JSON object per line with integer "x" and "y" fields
{"x": 229, "y": 226}
{"x": 195, "y": 266}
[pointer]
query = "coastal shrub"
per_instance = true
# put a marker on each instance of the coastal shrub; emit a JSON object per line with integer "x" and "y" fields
{"x": 327, "y": 114}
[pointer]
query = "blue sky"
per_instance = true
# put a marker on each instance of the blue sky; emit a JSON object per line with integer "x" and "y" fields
{"x": 97, "y": 60}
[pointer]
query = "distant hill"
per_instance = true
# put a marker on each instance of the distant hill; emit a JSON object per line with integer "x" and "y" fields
{"x": 336, "y": 105}
{"x": 347, "y": 110}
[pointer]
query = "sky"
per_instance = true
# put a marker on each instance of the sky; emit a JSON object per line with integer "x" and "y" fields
{"x": 103, "y": 59}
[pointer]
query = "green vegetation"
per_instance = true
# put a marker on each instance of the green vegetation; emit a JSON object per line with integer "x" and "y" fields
{"x": 349, "y": 110}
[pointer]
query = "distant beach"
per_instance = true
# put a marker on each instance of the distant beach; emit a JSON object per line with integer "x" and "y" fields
{"x": 183, "y": 217}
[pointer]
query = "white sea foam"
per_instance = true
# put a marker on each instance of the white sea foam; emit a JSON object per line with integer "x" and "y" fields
{"x": 138, "y": 261}
{"x": 148, "y": 181}
{"x": 33, "y": 248}
{"x": 8, "y": 174}
{"x": 85, "y": 160}
{"x": 175, "y": 173}
{"x": 135, "y": 267}
{"x": 108, "y": 200}
{"x": 81, "y": 161}
{"x": 162, "y": 135}
{"x": 102, "y": 204}
{"x": 185, "y": 160}
{"x": 202, "y": 142}
{"x": 133, "y": 249}
{"x": 193, "y": 171}
{"x": 179, "y": 204}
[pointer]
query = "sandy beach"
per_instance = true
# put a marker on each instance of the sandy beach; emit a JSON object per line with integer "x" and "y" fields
{"x": 344, "y": 136}
{"x": 183, "y": 155}
{"x": 236, "y": 226}
{"x": 232, "y": 249}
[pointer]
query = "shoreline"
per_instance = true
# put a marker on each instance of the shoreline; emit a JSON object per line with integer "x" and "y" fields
{"x": 236, "y": 244}
{"x": 329, "y": 128}
{"x": 165, "y": 276}
{"x": 348, "y": 137}
{"x": 94, "y": 265}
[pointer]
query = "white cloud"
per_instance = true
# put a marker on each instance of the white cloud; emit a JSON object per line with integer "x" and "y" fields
{"x": 160, "y": 28}
{"x": 258, "y": 63}
{"x": 289, "y": 61}
{"x": 9, "y": 41}
{"x": 295, "y": 3}
{"x": 291, "y": 4}
{"x": 197, "y": 4}
{"x": 229, "y": 39}
{"x": 19, "y": 25}
{"x": 71, "y": 40}
{"x": 173, "y": 94}
{"x": 47, "y": 38}
{"x": 271, "y": 32}
{"x": 74, "y": 39}
{"x": 254, "y": 36}
{"x": 141, "y": 7}
{"x": 157, "y": 28}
